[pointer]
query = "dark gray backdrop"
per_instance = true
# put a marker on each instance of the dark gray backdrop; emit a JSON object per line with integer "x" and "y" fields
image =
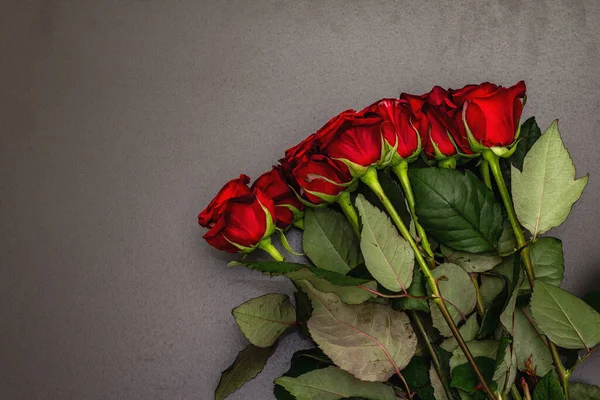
{"x": 120, "y": 120}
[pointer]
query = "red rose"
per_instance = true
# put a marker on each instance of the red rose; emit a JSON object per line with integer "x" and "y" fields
{"x": 491, "y": 113}
{"x": 242, "y": 223}
{"x": 439, "y": 133}
{"x": 302, "y": 149}
{"x": 397, "y": 126}
{"x": 287, "y": 205}
{"x": 352, "y": 140}
{"x": 318, "y": 179}
{"x": 234, "y": 188}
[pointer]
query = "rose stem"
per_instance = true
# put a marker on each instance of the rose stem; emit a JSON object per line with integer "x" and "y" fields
{"x": 401, "y": 171}
{"x": 434, "y": 357}
{"x": 370, "y": 179}
{"x": 348, "y": 209}
{"x": 267, "y": 246}
{"x": 515, "y": 393}
{"x": 480, "y": 308}
{"x": 494, "y": 162}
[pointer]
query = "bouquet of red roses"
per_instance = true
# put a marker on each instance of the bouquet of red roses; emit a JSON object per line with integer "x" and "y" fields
{"x": 429, "y": 277}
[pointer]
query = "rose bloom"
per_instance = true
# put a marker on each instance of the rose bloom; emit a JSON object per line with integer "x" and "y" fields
{"x": 238, "y": 221}
{"x": 397, "y": 125}
{"x": 351, "y": 137}
{"x": 491, "y": 112}
{"x": 234, "y": 188}
{"x": 287, "y": 204}
{"x": 436, "y": 124}
{"x": 316, "y": 178}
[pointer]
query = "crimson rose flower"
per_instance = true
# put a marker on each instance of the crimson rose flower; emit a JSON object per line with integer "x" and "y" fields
{"x": 352, "y": 140}
{"x": 287, "y": 205}
{"x": 397, "y": 126}
{"x": 442, "y": 138}
{"x": 234, "y": 188}
{"x": 241, "y": 222}
{"x": 491, "y": 113}
{"x": 318, "y": 179}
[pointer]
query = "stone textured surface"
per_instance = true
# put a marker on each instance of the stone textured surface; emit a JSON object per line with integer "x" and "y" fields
{"x": 121, "y": 119}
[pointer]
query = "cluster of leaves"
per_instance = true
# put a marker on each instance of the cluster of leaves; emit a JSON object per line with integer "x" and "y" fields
{"x": 377, "y": 330}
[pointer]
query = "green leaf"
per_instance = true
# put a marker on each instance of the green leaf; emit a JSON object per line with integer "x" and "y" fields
{"x": 457, "y": 209}
{"x": 348, "y": 294}
{"x": 416, "y": 375}
{"x": 459, "y": 292}
{"x": 506, "y": 365}
{"x": 546, "y": 190}
{"x": 491, "y": 317}
{"x": 368, "y": 340}
{"x": 508, "y": 242}
{"x": 505, "y": 370}
{"x": 274, "y": 268}
{"x": 491, "y": 286}
{"x": 444, "y": 357}
{"x": 303, "y": 361}
{"x": 479, "y": 395}
{"x": 303, "y": 310}
{"x": 478, "y": 348}
{"x": 470, "y": 262}
{"x": 464, "y": 377}
{"x": 510, "y": 270}
{"x": 246, "y": 366}
{"x": 548, "y": 388}
{"x": 388, "y": 256}
{"x": 583, "y": 391}
{"x": 548, "y": 263}
{"x": 438, "y": 388}
{"x": 329, "y": 240}
{"x": 417, "y": 289}
{"x": 506, "y": 318}
{"x": 567, "y": 320}
{"x": 263, "y": 319}
{"x": 530, "y": 343}
{"x": 593, "y": 299}
{"x": 530, "y": 133}
{"x": 468, "y": 332}
{"x": 332, "y": 383}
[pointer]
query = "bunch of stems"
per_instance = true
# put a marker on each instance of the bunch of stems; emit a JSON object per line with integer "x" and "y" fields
{"x": 426, "y": 262}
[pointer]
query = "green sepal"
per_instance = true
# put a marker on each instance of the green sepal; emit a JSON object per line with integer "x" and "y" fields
{"x": 395, "y": 158}
{"x": 448, "y": 163}
{"x": 286, "y": 244}
{"x": 327, "y": 198}
{"x": 243, "y": 249}
{"x": 298, "y": 214}
{"x": 355, "y": 170}
{"x": 506, "y": 152}
{"x": 270, "y": 228}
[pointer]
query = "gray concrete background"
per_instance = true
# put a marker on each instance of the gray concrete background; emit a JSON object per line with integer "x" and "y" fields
{"x": 120, "y": 120}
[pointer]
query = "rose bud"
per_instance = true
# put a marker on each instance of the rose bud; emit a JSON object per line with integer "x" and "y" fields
{"x": 399, "y": 132}
{"x": 439, "y": 134}
{"x": 488, "y": 115}
{"x": 318, "y": 179}
{"x": 288, "y": 208}
{"x": 353, "y": 141}
{"x": 234, "y": 188}
{"x": 243, "y": 222}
